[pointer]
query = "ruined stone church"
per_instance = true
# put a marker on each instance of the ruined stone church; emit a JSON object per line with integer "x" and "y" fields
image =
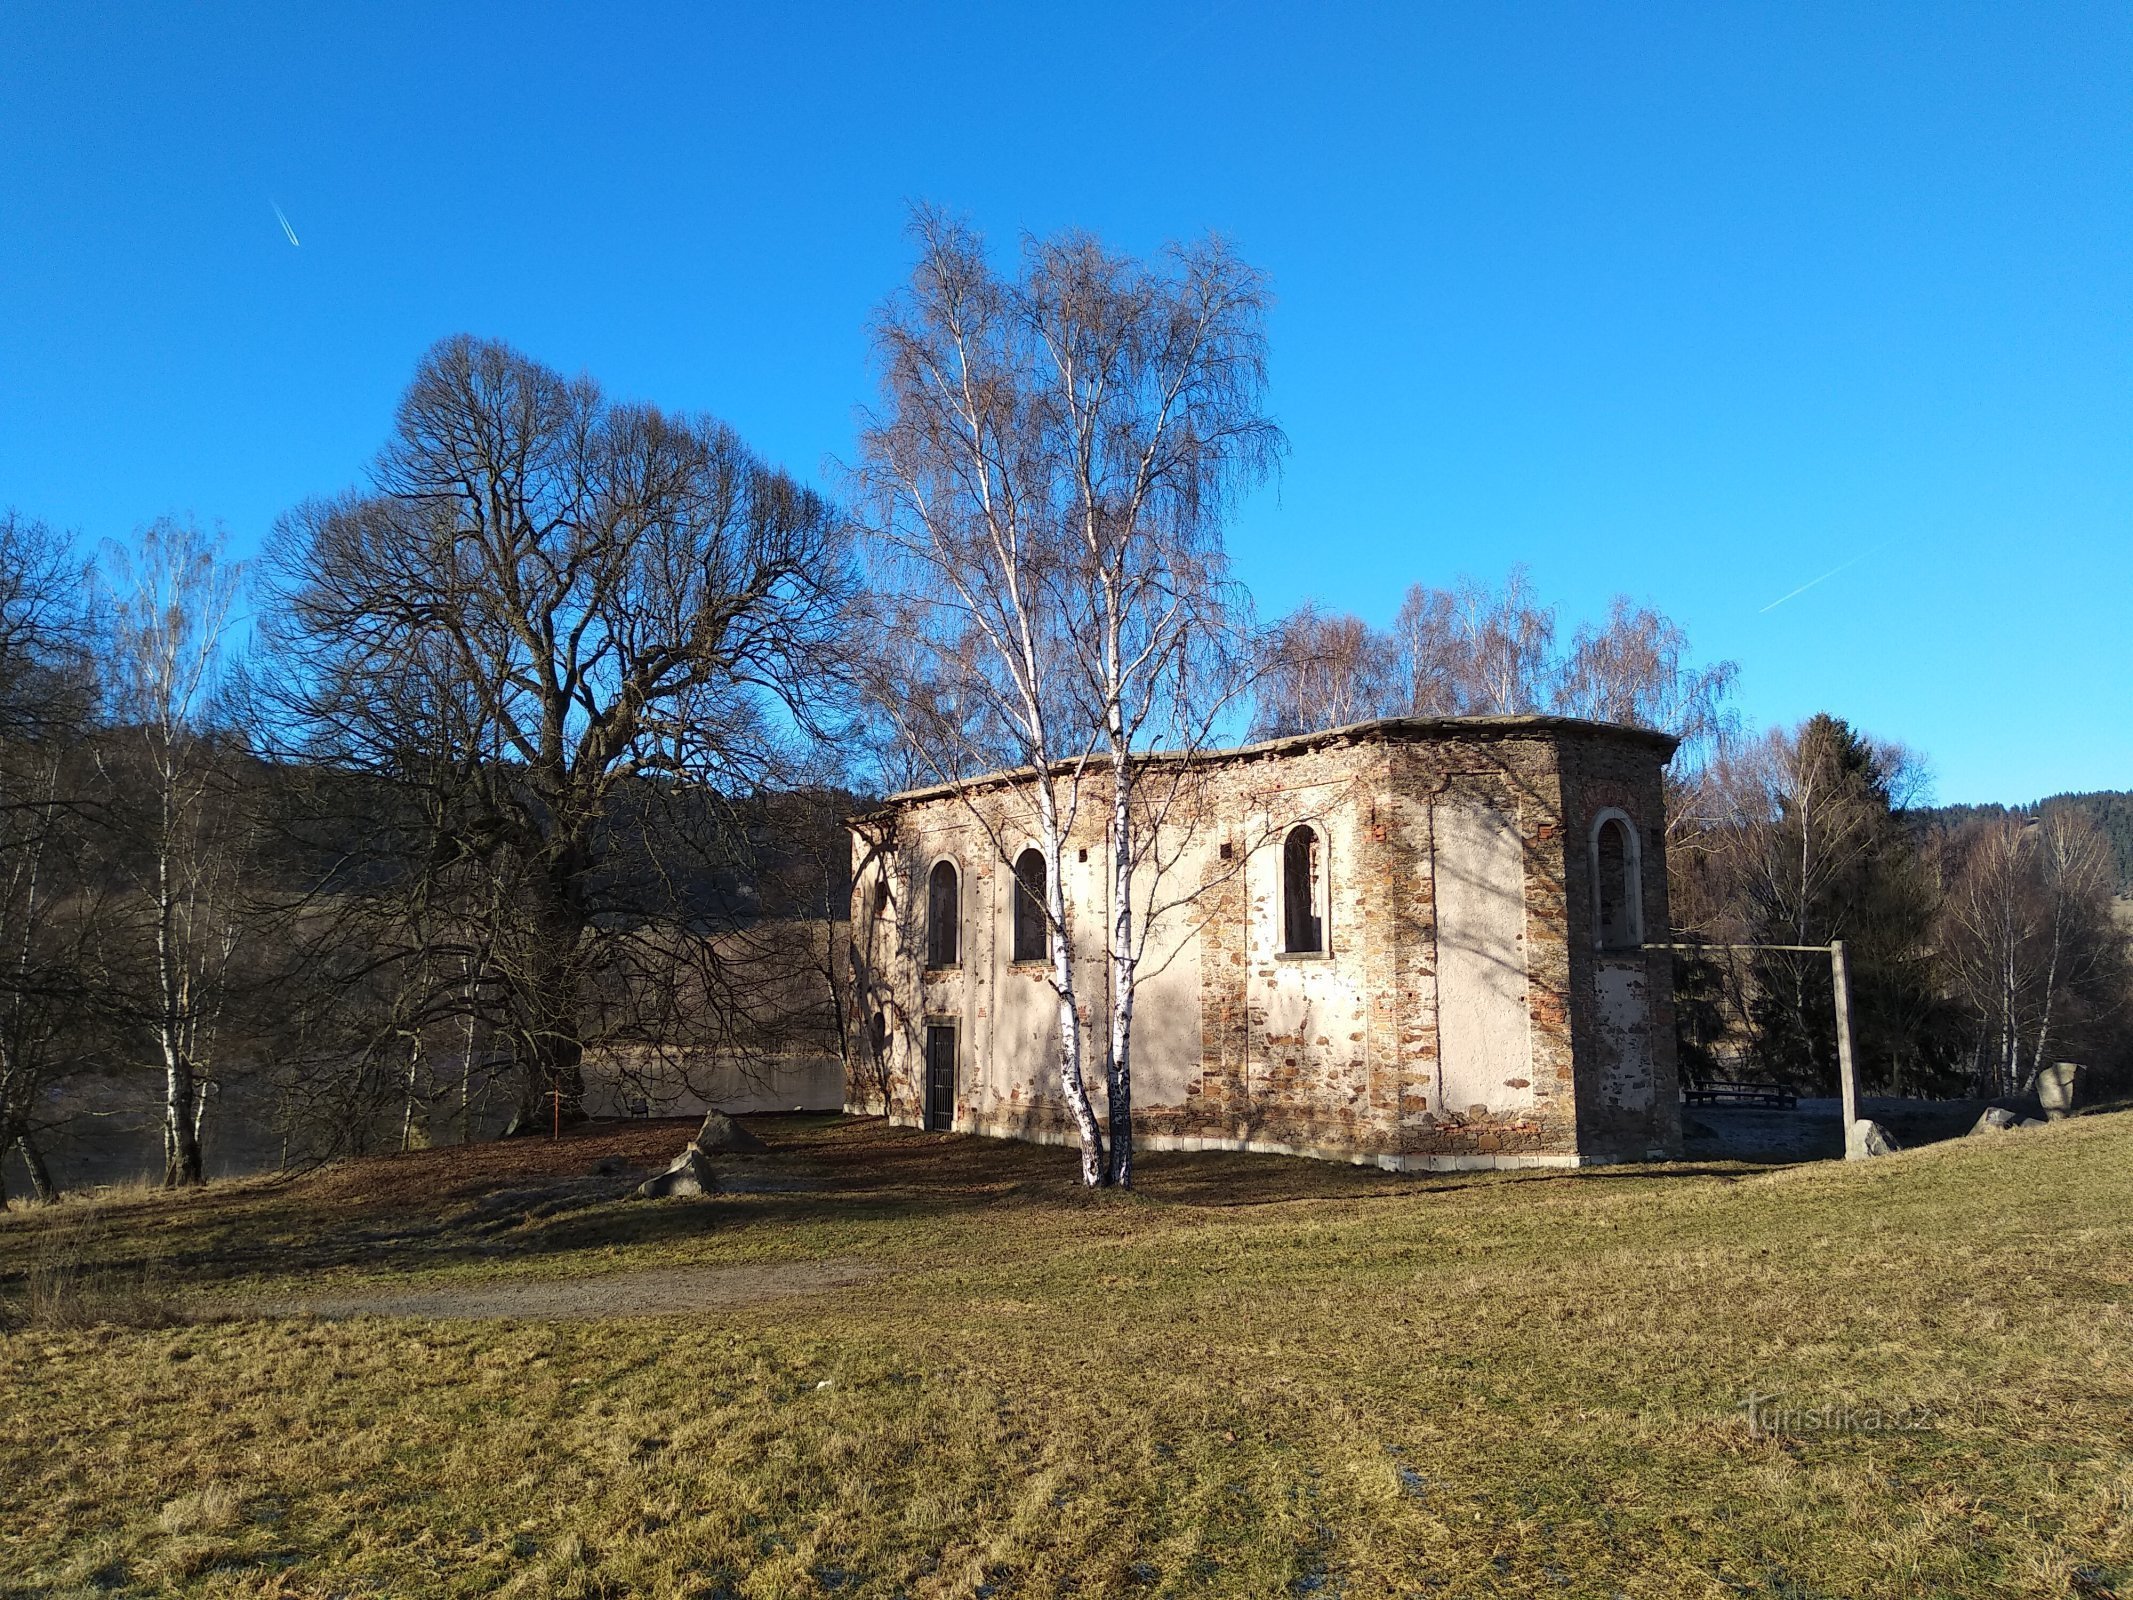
{"x": 1417, "y": 942}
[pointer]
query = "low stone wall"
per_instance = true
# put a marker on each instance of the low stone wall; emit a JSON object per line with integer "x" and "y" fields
{"x": 688, "y": 1084}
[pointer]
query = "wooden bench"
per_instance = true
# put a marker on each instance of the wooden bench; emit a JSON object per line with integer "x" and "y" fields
{"x": 1774, "y": 1095}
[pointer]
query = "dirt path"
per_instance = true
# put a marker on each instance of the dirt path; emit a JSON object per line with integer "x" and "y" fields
{"x": 650, "y": 1292}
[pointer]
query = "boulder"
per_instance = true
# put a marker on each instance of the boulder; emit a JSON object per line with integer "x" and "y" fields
{"x": 690, "y": 1174}
{"x": 721, "y": 1133}
{"x": 1869, "y": 1139}
{"x": 2059, "y": 1089}
{"x": 1998, "y": 1119}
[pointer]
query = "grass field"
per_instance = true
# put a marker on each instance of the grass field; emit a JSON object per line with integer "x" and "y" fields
{"x": 1254, "y": 1377}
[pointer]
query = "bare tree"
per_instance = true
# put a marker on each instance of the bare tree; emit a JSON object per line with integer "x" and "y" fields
{"x": 1475, "y": 651}
{"x": 1808, "y": 842}
{"x": 1159, "y": 383}
{"x": 44, "y": 670}
{"x": 169, "y": 615}
{"x": 2028, "y": 942}
{"x": 964, "y": 491}
{"x": 53, "y": 913}
{"x": 57, "y": 913}
{"x": 555, "y": 626}
{"x": 1635, "y": 668}
{"x": 1050, "y": 469}
{"x": 1323, "y": 669}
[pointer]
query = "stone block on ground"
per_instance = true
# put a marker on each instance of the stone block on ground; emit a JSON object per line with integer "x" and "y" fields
{"x": 1869, "y": 1139}
{"x": 2059, "y": 1089}
{"x": 690, "y": 1174}
{"x": 1997, "y": 1119}
{"x": 720, "y": 1133}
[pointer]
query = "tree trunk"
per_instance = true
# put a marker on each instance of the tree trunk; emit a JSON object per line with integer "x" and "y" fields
{"x": 1119, "y": 1078}
{"x": 203, "y": 1091}
{"x": 1076, "y": 1090}
{"x": 181, "y": 1143}
{"x": 2051, "y": 987}
{"x": 181, "y": 1129}
{"x": 466, "y": 1075}
{"x": 555, "y": 1081}
{"x": 41, "y": 1183}
{"x": 1071, "y": 1081}
{"x": 407, "y": 1115}
{"x": 554, "y": 1091}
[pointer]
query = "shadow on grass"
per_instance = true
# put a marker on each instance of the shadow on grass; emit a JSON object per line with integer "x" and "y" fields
{"x": 532, "y": 1199}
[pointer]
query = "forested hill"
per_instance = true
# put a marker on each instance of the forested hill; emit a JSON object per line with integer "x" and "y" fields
{"x": 2112, "y": 810}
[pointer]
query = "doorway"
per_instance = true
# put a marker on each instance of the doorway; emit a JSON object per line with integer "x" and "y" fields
{"x": 940, "y": 1077}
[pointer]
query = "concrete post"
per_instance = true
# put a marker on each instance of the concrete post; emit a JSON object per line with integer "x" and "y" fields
{"x": 1847, "y": 1073}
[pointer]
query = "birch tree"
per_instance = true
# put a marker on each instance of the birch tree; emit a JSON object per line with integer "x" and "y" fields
{"x": 962, "y": 489}
{"x": 1472, "y": 650}
{"x": 170, "y": 612}
{"x": 1159, "y": 378}
{"x": 1049, "y": 471}
{"x": 1478, "y": 650}
{"x": 2028, "y": 942}
{"x": 1323, "y": 669}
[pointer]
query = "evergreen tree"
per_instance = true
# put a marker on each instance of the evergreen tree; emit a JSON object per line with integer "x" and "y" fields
{"x": 1830, "y": 857}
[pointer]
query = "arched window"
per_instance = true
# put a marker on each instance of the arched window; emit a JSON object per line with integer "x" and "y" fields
{"x": 1030, "y": 941}
{"x": 878, "y": 1036}
{"x": 1303, "y": 887}
{"x": 944, "y": 915}
{"x": 881, "y": 895}
{"x": 1617, "y": 890}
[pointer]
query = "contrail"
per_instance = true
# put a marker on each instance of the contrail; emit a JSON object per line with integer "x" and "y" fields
{"x": 1811, "y": 582}
{"x": 284, "y": 221}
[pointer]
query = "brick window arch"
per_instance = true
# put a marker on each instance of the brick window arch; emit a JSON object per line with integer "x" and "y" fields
{"x": 1303, "y": 892}
{"x": 1030, "y": 943}
{"x": 1617, "y": 883}
{"x": 944, "y": 915}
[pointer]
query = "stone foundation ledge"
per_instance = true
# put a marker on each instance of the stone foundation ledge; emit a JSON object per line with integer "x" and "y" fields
{"x": 1413, "y": 1161}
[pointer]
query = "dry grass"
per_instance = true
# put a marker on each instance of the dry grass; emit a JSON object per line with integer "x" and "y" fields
{"x": 73, "y": 1282}
{"x": 1258, "y": 1377}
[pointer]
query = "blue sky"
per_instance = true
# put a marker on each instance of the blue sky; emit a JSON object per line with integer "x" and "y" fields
{"x": 1695, "y": 303}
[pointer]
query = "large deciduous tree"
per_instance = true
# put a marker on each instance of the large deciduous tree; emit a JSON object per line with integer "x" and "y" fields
{"x": 566, "y": 632}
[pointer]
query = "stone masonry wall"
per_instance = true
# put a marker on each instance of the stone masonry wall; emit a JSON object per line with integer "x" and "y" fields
{"x": 1238, "y": 1044}
{"x": 1629, "y": 1092}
